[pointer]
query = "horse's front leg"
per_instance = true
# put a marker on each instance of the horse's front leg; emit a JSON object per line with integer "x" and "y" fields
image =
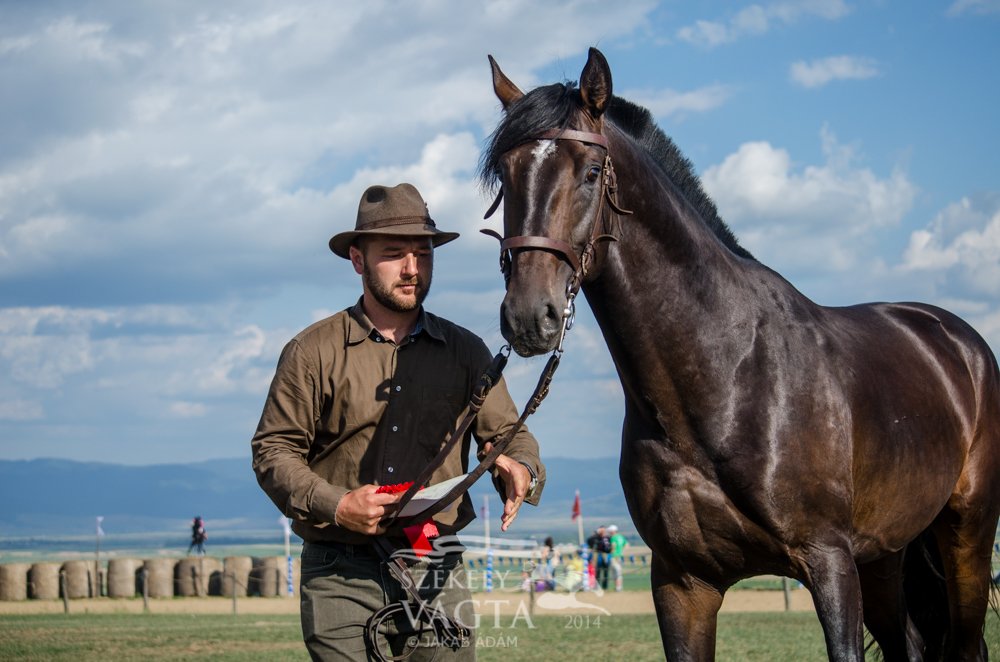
{"x": 687, "y": 611}
{"x": 836, "y": 591}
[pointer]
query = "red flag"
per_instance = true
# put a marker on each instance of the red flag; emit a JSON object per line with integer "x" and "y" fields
{"x": 576, "y": 506}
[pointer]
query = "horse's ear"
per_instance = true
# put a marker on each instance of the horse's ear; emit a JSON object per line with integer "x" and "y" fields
{"x": 505, "y": 90}
{"x": 595, "y": 83}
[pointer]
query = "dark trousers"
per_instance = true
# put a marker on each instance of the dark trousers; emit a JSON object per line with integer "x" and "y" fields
{"x": 343, "y": 585}
{"x": 601, "y": 569}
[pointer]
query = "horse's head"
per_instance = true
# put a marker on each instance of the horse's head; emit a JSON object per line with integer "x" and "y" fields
{"x": 550, "y": 157}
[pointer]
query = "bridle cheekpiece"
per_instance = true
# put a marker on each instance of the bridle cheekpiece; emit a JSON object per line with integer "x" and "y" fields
{"x": 581, "y": 264}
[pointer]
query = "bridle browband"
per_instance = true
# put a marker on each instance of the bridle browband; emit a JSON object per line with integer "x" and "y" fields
{"x": 581, "y": 264}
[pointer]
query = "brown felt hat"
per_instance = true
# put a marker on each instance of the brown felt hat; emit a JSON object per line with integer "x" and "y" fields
{"x": 397, "y": 210}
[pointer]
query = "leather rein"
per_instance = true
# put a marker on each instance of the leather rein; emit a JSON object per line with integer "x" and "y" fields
{"x": 447, "y": 631}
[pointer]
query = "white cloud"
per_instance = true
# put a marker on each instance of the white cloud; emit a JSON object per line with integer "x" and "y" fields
{"x": 961, "y": 246}
{"x": 182, "y": 409}
{"x": 214, "y": 140}
{"x": 811, "y": 215}
{"x": 758, "y": 19}
{"x": 672, "y": 103}
{"x": 974, "y": 7}
{"x": 225, "y": 373}
{"x": 90, "y": 41}
{"x": 818, "y": 73}
{"x": 21, "y": 410}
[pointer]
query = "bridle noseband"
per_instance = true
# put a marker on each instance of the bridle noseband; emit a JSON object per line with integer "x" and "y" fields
{"x": 581, "y": 264}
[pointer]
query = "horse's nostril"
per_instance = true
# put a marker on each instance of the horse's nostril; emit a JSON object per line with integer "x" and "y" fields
{"x": 549, "y": 322}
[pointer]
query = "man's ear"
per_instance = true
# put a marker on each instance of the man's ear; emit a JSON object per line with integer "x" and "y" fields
{"x": 357, "y": 259}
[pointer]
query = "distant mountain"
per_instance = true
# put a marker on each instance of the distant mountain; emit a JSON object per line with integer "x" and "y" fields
{"x": 61, "y": 498}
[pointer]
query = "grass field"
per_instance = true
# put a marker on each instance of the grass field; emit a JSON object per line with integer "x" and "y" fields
{"x": 148, "y": 638}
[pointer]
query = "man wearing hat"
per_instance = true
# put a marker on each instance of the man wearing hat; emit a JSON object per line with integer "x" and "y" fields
{"x": 365, "y": 398}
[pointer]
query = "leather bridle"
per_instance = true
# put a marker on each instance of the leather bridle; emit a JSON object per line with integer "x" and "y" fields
{"x": 581, "y": 264}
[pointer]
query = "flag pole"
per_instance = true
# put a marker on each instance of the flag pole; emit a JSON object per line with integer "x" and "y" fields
{"x": 289, "y": 579}
{"x": 97, "y": 557}
{"x": 579, "y": 518}
{"x": 488, "y": 578}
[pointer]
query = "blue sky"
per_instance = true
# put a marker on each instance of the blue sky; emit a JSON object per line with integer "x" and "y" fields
{"x": 170, "y": 174}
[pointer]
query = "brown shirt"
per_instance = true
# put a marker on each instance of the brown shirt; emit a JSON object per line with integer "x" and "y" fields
{"x": 349, "y": 408}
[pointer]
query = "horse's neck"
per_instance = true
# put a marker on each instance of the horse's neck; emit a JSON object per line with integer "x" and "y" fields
{"x": 677, "y": 308}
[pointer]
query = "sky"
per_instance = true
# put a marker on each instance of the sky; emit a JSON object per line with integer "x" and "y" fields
{"x": 170, "y": 173}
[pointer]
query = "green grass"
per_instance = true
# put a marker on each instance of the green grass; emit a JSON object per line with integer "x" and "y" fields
{"x": 153, "y": 637}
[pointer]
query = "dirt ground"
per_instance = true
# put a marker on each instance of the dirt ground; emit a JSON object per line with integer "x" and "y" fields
{"x": 500, "y": 603}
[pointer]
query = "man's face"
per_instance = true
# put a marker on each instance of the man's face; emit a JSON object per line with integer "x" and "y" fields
{"x": 396, "y": 271}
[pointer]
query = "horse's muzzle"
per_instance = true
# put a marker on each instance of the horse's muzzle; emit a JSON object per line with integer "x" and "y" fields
{"x": 531, "y": 328}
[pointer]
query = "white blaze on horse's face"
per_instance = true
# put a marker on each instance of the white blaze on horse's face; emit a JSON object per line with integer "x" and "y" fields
{"x": 543, "y": 150}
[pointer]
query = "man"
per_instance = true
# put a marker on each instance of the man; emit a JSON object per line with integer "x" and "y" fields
{"x": 364, "y": 399}
{"x": 198, "y": 536}
{"x": 618, "y": 545}
{"x": 600, "y": 548}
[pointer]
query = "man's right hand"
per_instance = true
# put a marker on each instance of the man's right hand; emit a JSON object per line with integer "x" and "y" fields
{"x": 361, "y": 509}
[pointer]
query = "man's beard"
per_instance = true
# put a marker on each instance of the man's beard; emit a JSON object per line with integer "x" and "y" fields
{"x": 388, "y": 297}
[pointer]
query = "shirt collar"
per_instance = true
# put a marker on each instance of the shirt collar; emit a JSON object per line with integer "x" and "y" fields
{"x": 361, "y": 328}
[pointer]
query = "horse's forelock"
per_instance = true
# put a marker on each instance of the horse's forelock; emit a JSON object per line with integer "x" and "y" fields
{"x": 543, "y": 108}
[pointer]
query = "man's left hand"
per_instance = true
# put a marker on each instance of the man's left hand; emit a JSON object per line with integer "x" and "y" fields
{"x": 516, "y": 479}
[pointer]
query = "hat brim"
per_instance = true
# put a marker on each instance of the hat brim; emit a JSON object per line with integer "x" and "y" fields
{"x": 340, "y": 243}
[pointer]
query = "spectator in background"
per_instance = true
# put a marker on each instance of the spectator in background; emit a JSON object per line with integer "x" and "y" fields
{"x": 576, "y": 572}
{"x": 198, "y": 536}
{"x": 618, "y": 545}
{"x": 600, "y": 552}
{"x": 549, "y": 561}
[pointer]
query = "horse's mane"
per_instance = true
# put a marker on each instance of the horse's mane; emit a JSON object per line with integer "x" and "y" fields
{"x": 550, "y": 107}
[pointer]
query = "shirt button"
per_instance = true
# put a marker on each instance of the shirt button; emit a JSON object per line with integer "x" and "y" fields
{"x": 395, "y": 428}
{"x": 398, "y": 389}
{"x": 389, "y": 469}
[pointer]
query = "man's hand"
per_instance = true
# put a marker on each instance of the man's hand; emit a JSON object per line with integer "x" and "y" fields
{"x": 361, "y": 509}
{"x": 516, "y": 479}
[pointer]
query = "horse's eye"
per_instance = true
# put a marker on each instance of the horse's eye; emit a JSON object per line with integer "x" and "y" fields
{"x": 593, "y": 173}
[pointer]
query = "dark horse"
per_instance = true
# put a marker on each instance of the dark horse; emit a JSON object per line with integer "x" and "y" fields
{"x": 855, "y": 449}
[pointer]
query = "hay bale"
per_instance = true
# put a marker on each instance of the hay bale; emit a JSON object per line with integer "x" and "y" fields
{"x": 14, "y": 581}
{"x": 186, "y": 577}
{"x": 79, "y": 579}
{"x": 43, "y": 581}
{"x": 193, "y": 576}
{"x": 269, "y": 576}
{"x": 265, "y": 576}
{"x": 211, "y": 570}
{"x": 160, "y": 577}
{"x": 236, "y": 575}
{"x": 122, "y": 580}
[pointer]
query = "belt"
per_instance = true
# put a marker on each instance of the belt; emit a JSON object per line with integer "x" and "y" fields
{"x": 362, "y": 550}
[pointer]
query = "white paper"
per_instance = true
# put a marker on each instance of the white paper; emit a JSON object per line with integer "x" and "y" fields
{"x": 424, "y": 498}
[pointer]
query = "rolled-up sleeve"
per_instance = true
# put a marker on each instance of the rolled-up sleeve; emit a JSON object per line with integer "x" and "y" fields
{"x": 283, "y": 439}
